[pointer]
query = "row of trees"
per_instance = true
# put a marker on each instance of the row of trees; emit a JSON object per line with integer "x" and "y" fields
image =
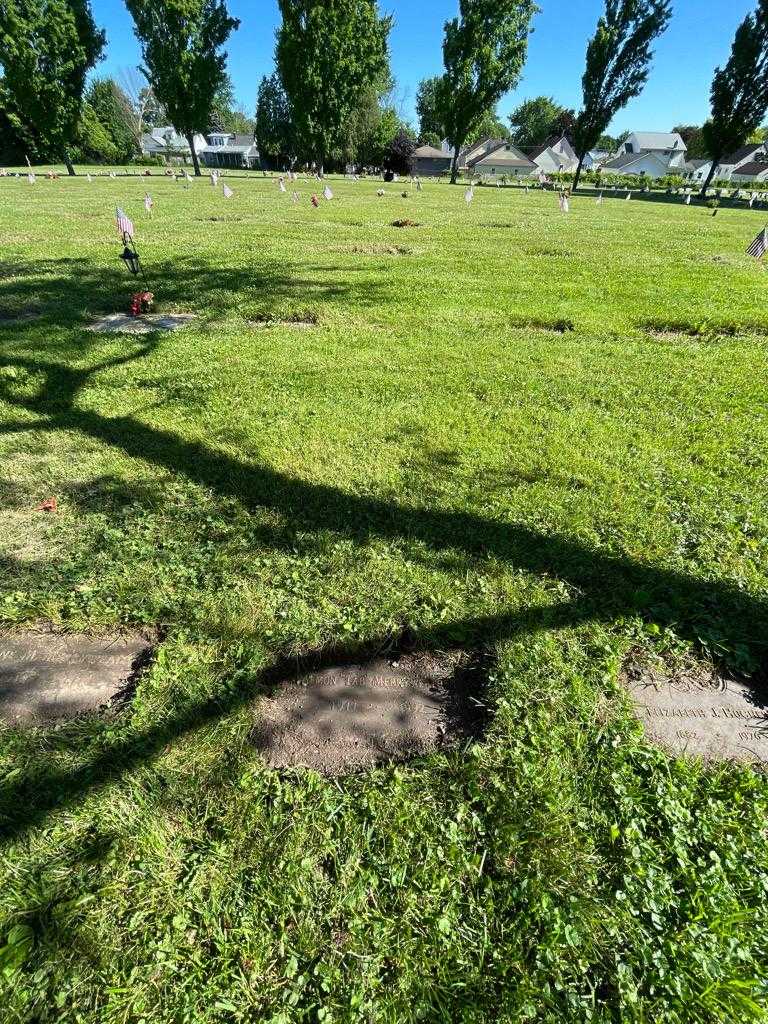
{"x": 329, "y": 95}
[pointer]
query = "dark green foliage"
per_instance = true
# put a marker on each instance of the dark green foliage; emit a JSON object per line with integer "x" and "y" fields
{"x": 328, "y": 53}
{"x": 181, "y": 43}
{"x": 484, "y": 51}
{"x": 274, "y": 131}
{"x": 46, "y": 49}
{"x": 693, "y": 137}
{"x": 226, "y": 115}
{"x": 538, "y": 119}
{"x": 400, "y": 150}
{"x": 112, "y": 108}
{"x": 739, "y": 94}
{"x": 428, "y": 111}
{"x": 618, "y": 60}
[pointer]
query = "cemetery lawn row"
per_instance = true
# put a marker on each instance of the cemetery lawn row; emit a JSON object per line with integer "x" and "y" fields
{"x": 534, "y": 435}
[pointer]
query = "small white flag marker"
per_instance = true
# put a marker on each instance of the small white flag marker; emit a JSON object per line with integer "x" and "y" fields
{"x": 469, "y": 195}
{"x": 228, "y": 193}
{"x": 214, "y": 178}
{"x": 327, "y": 192}
{"x": 31, "y": 178}
{"x": 599, "y": 199}
{"x": 148, "y": 204}
{"x": 687, "y": 200}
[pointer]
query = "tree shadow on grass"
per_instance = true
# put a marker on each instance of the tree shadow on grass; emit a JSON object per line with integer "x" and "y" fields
{"x": 607, "y": 587}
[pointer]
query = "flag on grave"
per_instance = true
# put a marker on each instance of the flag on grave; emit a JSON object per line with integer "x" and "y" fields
{"x": 687, "y": 200}
{"x": 148, "y": 204}
{"x": 281, "y": 185}
{"x": 327, "y": 194}
{"x": 469, "y": 195}
{"x": 90, "y": 179}
{"x": 629, "y": 196}
{"x": 563, "y": 199}
{"x": 228, "y": 193}
{"x": 599, "y": 199}
{"x": 315, "y": 201}
{"x": 295, "y": 197}
{"x": 31, "y": 178}
{"x": 759, "y": 246}
{"x": 214, "y": 178}
{"x": 124, "y": 222}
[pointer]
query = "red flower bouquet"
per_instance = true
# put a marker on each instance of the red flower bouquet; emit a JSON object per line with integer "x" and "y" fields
{"x": 141, "y": 302}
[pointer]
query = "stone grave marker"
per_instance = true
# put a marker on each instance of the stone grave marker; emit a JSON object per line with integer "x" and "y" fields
{"x": 701, "y": 713}
{"x": 351, "y": 716}
{"x": 122, "y": 323}
{"x": 46, "y": 675}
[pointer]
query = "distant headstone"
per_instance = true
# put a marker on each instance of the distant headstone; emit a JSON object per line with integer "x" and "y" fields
{"x": 45, "y": 675}
{"x": 349, "y": 717}
{"x": 701, "y": 713}
{"x": 122, "y": 323}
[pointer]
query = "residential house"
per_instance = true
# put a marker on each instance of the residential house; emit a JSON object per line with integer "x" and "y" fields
{"x": 595, "y": 158}
{"x": 554, "y": 155}
{"x": 755, "y": 170}
{"x": 430, "y": 162}
{"x": 168, "y": 143}
{"x": 697, "y": 170}
{"x": 228, "y": 149}
{"x": 474, "y": 151}
{"x": 669, "y": 146}
{"x": 734, "y": 162}
{"x": 646, "y": 165}
{"x": 505, "y": 159}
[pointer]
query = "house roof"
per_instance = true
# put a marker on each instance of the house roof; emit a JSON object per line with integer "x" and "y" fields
{"x": 659, "y": 140}
{"x": 694, "y": 165}
{"x": 505, "y": 159}
{"x": 430, "y": 153}
{"x": 752, "y": 169}
{"x": 624, "y": 160}
{"x": 743, "y": 153}
{"x": 598, "y": 154}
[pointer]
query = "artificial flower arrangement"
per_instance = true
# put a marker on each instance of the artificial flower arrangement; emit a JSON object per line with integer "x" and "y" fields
{"x": 141, "y": 302}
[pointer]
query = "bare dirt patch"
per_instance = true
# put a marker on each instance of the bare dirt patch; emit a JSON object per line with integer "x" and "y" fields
{"x": 46, "y": 675}
{"x": 405, "y": 222}
{"x": 671, "y": 330}
{"x": 349, "y": 716}
{"x": 700, "y": 711}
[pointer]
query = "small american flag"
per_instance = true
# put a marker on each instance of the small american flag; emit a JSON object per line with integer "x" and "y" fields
{"x": 214, "y": 178}
{"x": 327, "y": 194}
{"x": 564, "y": 203}
{"x": 281, "y": 185}
{"x": 90, "y": 179}
{"x": 148, "y": 204}
{"x": 759, "y": 246}
{"x": 687, "y": 200}
{"x": 599, "y": 199}
{"x": 124, "y": 222}
{"x": 295, "y": 197}
{"x": 228, "y": 193}
{"x": 31, "y": 178}
{"x": 469, "y": 195}
{"x": 629, "y": 196}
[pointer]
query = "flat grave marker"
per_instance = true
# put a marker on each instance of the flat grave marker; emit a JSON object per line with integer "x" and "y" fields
{"x": 349, "y": 717}
{"x": 123, "y": 323}
{"x": 701, "y": 713}
{"x": 45, "y": 675}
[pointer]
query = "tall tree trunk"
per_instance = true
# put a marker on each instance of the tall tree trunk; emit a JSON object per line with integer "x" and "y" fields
{"x": 455, "y": 164}
{"x": 68, "y": 164}
{"x": 577, "y": 175}
{"x": 710, "y": 175}
{"x": 193, "y": 151}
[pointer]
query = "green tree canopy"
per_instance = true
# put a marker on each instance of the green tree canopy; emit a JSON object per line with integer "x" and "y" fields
{"x": 181, "y": 43}
{"x": 538, "y": 119}
{"x": 328, "y": 54}
{"x": 274, "y": 130}
{"x": 226, "y": 114}
{"x": 112, "y": 109}
{"x": 739, "y": 94}
{"x": 618, "y": 59}
{"x": 46, "y": 49}
{"x": 484, "y": 50}
{"x": 428, "y": 109}
{"x": 693, "y": 137}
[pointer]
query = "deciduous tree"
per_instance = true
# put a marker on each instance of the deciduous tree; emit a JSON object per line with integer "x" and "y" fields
{"x": 537, "y": 119}
{"x": 618, "y": 59}
{"x": 484, "y": 50}
{"x": 274, "y": 131}
{"x": 181, "y": 43}
{"x": 112, "y": 108}
{"x": 328, "y": 53}
{"x": 428, "y": 110}
{"x": 46, "y": 49}
{"x": 739, "y": 95}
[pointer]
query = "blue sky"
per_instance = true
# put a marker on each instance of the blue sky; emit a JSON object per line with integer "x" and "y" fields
{"x": 698, "y": 39}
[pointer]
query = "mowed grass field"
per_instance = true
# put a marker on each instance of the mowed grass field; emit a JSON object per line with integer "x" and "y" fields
{"x": 436, "y": 457}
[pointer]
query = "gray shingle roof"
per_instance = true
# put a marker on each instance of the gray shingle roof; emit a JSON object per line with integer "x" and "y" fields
{"x": 659, "y": 140}
{"x": 753, "y": 168}
{"x": 430, "y": 153}
{"x": 743, "y": 153}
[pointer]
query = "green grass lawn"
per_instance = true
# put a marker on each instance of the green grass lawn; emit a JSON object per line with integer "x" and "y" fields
{"x": 430, "y": 459}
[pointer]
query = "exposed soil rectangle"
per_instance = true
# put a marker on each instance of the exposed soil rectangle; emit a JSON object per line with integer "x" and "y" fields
{"x": 46, "y": 675}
